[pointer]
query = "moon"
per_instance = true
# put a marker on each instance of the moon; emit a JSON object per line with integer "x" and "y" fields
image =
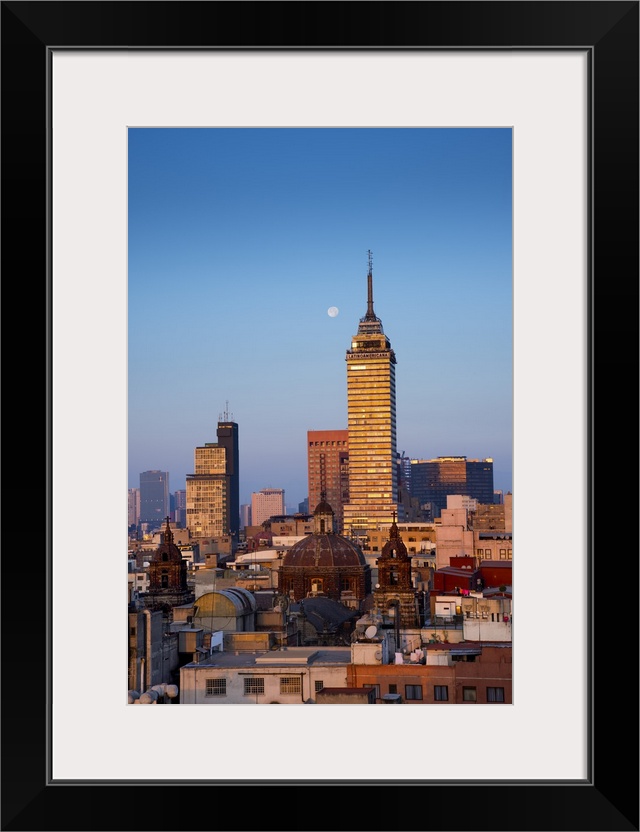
{"x": 332, "y": 311}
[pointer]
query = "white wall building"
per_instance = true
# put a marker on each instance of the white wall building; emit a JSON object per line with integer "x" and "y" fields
{"x": 292, "y": 676}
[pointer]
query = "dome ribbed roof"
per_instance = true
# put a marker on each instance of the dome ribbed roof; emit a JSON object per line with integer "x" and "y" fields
{"x": 324, "y": 550}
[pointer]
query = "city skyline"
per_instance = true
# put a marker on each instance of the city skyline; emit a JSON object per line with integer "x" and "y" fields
{"x": 242, "y": 240}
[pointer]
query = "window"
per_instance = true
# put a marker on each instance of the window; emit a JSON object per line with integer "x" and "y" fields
{"x": 495, "y": 694}
{"x": 412, "y": 692}
{"x": 469, "y": 695}
{"x": 318, "y": 686}
{"x": 503, "y": 554}
{"x": 393, "y": 688}
{"x": 253, "y": 684}
{"x": 376, "y": 688}
{"x": 441, "y": 693}
{"x": 290, "y": 684}
{"x": 215, "y": 687}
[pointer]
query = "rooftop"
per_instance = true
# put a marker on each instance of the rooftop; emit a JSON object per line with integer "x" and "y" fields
{"x": 288, "y": 657}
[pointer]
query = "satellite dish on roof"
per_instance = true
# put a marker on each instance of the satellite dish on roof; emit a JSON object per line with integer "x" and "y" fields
{"x": 371, "y": 631}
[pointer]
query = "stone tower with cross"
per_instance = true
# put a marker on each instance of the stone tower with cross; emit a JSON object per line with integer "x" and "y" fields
{"x": 394, "y": 595}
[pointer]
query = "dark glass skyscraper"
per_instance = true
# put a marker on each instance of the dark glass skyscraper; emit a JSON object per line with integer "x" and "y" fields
{"x": 433, "y": 479}
{"x": 228, "y": 439}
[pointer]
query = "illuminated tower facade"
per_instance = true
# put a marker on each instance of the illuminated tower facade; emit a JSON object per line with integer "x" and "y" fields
{"x": 212, "y": 495}
{"x": 371, "y": 425}
{"x": 207, "y": 492}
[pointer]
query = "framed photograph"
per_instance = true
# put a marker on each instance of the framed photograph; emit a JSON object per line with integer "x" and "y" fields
{"x": 563, "y": 77}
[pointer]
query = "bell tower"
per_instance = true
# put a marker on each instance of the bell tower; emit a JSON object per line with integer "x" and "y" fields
{"x": 394, "y": 593}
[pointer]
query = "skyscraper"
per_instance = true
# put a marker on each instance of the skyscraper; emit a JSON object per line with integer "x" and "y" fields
{"x": 328, "y": 468}
{"x": 207, "y": 492}
{"x": 228, "y": 439}
{"x": 432, "y": 480}
{"x": 213, "y": 493}
{"x": 154, "y": 497}
{"x": 371, "y": 415}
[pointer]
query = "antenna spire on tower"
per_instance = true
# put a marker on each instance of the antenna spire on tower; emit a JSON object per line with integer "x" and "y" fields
{"x": 226, "y": 416}
{"x": 370, "y": 312}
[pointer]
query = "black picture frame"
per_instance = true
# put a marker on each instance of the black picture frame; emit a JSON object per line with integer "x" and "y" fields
{"x": 608, "y": 799}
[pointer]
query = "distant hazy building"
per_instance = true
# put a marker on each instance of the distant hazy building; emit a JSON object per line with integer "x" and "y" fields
{"x": 265, "y": 504}
{"x": 371, "y": 417}
{"x": 245, "y": 515}
{"x": 328, "y": 469}
{"x": 433, "y": 480}
{"x": 303, "y": 507}
{"x": 133, "y": 506}
{"x": 154, "y": 497}
{"x": 180, "y": 507}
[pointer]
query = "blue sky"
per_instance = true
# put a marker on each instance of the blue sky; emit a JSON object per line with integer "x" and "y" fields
{"x": 241, "y": 239}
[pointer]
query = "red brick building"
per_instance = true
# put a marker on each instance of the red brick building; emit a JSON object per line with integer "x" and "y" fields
{"x": 463, "y": 673}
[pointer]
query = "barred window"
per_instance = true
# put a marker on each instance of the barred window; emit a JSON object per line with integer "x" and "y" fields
{"x": 441, "y": 693}
{"x": 495, "y": 694}
{"x": 216, "y": 687}
{"x": 253, "y": 684}
{"x": 318, "y": 685}
{"x": 290, "y": 684}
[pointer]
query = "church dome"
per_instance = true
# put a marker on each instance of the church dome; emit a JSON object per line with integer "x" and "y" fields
{"x": 324, "y": 550}
{"x": 323, "y": 507}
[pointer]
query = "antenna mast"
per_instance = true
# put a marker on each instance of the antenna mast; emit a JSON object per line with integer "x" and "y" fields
{"x": 370, "y": 312}
{"x": 226, "y": 416}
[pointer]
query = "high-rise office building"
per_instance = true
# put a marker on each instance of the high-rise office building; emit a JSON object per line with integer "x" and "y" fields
{"x": 207, "y": 492}
{"x": 212, "y": 502}
{"x": 154, "y": 497}
{"x": 266, "y": 503}
{"x": 328, "y": 469}
{"x": 371, "y": 414}
{"x": 432, "y": 480}
{"x": 228, "y": 439}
